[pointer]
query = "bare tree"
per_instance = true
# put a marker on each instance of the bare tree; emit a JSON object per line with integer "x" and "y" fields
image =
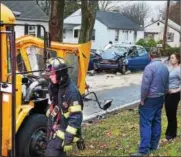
{"x": 138, "y": 12}
{"x": 44, "y": 5}
{"x": 174, "y": 12}
{"x": 108, "y": 5}
{"x": 71, "y": 7}
{"x": 88, "y": 12}
{"x": 56, "y": 20}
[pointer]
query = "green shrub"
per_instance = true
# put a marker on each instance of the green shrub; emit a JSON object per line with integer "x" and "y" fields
{"x": 161, "y": 41}
{"x": 146, "y": 43}
{"x": 169, "y": 51}
{"x": 151, "y": 43}
{"x": 141, "y": 42}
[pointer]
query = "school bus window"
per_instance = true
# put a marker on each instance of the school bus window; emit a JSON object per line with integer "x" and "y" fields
{"x": 20, "y": 62}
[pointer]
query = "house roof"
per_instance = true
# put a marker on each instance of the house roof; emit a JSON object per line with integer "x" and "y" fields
{"x": 29, "y": 10}
{"x": 111, "y": 20}
{"x": 69, "y": 26}
{"x": 116, "y": 21}
{"x": 171, "y": 24}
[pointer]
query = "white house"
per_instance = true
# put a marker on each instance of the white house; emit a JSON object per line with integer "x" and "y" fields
{"x": 155, "y": 30}
{"x": 30, "y": 13}
{"x": 109, "y": 26}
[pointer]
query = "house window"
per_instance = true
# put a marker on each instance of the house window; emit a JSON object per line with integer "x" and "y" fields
{"x": 170, "y": 37}
{"x": 149, "y": 36}
{"x": 116, "y": 35}
{"x": 93, "y": 35}
{"x": 76, "y": 33}
{"x": 31, "y": 30}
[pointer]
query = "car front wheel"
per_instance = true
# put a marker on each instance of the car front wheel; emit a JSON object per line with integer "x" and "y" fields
{"x": 124, "y": 69}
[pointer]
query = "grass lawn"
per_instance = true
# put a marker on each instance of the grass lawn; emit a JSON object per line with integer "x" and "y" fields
{"x": 118, "y": 135}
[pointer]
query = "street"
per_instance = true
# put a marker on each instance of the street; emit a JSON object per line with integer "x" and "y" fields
{"x": 123, "y": 89}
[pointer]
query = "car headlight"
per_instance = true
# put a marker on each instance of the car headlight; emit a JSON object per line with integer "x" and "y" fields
{"x": 125, "y": 61}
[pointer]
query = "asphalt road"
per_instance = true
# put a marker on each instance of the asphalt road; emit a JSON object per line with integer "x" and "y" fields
{"x": 120, "y": 96}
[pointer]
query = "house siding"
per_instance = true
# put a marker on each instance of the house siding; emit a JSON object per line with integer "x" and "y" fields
{"x": 102, "y": 33}
{"x": 101, "y": 36}
{"x": 74, "y": 18}
{"x": 125, "y": 36}
{"x": 140, "y": 35}
{"x": 68, "y": 36}
{"x": 20, "y": 30}
{"x": 155, "y": 28}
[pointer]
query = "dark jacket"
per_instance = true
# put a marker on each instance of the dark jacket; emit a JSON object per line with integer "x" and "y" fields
{"x": 69, "y": 100}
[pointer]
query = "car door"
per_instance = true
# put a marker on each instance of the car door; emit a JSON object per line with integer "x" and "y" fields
{"x": 139, "y": 60}
{"x": 143, "y": 57}
{"x": 133, "y": 61}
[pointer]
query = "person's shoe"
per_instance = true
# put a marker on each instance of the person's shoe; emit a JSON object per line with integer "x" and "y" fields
{"x": 139, "y": 154}
{"x": 155, "y": 148}
{"x": 170, "y": 138}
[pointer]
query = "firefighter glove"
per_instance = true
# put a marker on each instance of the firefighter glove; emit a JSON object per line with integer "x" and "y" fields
{"x": 67, "y": 148}
{"x": 81, "y": 144}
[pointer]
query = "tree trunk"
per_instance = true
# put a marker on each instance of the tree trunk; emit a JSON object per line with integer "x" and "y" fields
{"x": 88, "y": 11}
{"x": 165, "y": 29}
{"x": 56, "y": 20}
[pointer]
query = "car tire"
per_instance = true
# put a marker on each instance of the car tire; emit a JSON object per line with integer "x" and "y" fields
{"x": 122, "y": 66}
{"x": 34, "y": 129}
{"x": 124, "y": 69}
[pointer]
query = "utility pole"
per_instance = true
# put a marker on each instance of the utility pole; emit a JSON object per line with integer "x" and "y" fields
{"x": 166, "y": 24}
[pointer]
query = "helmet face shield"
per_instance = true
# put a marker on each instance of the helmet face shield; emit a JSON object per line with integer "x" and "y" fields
{"x": 55, "y": 66}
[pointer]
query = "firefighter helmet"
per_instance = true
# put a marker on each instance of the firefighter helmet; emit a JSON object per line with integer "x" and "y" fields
{"x": 58, "y": 66}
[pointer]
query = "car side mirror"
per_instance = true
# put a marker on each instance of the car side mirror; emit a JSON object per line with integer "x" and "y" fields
{"x": 107, "y": 104}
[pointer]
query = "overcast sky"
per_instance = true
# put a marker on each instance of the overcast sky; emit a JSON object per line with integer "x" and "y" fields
{"x": 155, "y": 7}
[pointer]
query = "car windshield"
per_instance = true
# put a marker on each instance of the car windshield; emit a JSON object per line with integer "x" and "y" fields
{"x": 112, "y": 52}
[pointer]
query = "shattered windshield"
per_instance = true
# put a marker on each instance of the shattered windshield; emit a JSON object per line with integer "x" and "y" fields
{"x": 36, "y": 58}
{"x": 112, "y": 52}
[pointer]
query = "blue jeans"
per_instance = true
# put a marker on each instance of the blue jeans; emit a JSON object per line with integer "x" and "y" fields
{"x": 150, "y": 124}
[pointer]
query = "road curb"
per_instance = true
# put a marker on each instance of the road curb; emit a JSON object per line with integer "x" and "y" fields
{"x": 114, "y": 110}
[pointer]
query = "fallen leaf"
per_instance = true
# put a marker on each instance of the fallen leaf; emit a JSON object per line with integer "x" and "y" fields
{"x": 91, "y": 146}
{"x": 124, "y": 135}
{"x": 109, "y": 133}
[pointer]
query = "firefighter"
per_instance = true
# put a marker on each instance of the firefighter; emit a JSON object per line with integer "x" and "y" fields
{"x": 65, "y": 110}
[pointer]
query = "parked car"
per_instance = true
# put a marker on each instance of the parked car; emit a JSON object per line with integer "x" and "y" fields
{"x": 94, "y": 56}
{"x": 122, "y": 58}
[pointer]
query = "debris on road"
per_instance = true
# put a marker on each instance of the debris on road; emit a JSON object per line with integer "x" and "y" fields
{"x": 109, "y": 81}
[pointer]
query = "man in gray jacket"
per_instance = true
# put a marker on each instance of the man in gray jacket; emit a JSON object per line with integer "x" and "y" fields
{"x": 154, "y": 87}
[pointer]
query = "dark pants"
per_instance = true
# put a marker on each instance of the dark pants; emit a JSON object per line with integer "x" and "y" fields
{"x": 171, "y": 105}
{"x": 150, "y": 124}
{"x": 54, "y": 148}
